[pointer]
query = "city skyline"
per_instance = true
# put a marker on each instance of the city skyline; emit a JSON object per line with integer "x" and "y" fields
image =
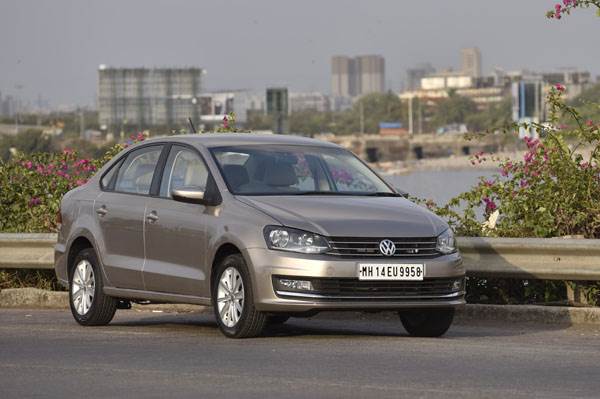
{"x": 55, "y": 49}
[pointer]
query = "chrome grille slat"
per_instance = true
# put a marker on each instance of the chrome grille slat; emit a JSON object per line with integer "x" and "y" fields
{"x": 369, "y": 247}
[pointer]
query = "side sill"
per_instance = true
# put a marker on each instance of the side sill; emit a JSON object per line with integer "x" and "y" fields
{"x": 155, "y": 296}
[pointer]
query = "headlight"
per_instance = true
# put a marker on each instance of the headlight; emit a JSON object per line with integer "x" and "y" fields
{"x": 446, "y": 243}
{"x": 287, "y": 239}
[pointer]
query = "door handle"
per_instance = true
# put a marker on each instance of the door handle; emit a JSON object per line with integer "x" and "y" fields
{"x": 102, "y": 210}
{"x": 152, "y": 217}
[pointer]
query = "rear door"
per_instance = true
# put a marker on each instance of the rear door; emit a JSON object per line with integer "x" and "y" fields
{"x": 120, "y": 210}
{"x": 176, "y": 234}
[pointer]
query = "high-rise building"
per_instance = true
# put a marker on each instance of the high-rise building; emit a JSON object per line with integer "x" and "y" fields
{"x": 340, "y": 76}
{"x": 144, "y": 97}
{"x": 371, "y": 69}
{"x": 471, "y": 61}
{"x": 351, "y": 77}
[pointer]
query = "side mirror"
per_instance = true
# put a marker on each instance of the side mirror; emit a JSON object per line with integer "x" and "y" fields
{"x": 189, "y": 195}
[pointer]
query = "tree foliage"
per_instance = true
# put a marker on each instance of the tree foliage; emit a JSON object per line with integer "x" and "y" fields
{"x": 453, "y": 109}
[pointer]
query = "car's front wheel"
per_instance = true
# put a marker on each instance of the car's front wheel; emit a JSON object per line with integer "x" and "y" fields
{"x": 427, "y": 322}
{"x": 89, "y": 305}
{"x": 233, "y": 302}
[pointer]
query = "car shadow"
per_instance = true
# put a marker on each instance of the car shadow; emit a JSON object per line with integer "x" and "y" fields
{"x": 330, "y": 324}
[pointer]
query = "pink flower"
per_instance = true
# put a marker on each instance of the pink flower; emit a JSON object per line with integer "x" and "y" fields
{"x": 68, "y": 151}
{"x": 490, "y": 205}
{"x": 28, "y": 164}
{"x": 225, "y": 122}
{"x": 34, "y": 201}
{"x": 559, "y": 87}
{"x": 531, "y": 143}
{"x": 590, "y": 123}
{"x": 80, "y": 182}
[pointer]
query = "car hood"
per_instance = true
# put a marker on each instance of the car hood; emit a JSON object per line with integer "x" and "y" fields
{"x": 336, "y": 216}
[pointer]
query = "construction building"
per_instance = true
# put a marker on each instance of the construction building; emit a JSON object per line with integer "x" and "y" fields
{"x": 148, "y": 97}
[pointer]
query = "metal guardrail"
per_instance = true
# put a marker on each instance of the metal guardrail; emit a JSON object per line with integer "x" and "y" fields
{"x": 539, "y": 258}
{"x": 27, "y": 251}
{"x": 535, "y": 258}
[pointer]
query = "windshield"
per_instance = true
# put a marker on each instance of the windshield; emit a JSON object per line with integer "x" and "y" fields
{"x": 296, "y": 170}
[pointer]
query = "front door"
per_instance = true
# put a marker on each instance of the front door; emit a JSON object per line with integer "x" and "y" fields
{"x": 175, "y": 232}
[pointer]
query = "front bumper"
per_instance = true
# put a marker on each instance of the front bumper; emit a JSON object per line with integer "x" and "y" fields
{"x": 266, "y": 264}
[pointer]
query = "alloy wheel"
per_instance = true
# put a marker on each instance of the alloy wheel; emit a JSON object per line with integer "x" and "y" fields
{"x": 83, "y": 287}
{"x": 230, "y": 297}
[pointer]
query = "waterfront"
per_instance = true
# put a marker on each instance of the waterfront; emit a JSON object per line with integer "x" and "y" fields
{"x": 438, "y": 185}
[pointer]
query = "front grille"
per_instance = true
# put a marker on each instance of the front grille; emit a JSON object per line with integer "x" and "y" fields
{"x": 361, "y": 247}
{"x": 352, "y": 287}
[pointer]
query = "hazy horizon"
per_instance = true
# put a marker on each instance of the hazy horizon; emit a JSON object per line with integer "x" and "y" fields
{"x": 54, "y": 48}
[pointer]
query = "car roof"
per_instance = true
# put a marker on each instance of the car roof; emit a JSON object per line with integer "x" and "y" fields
{"x": 230, "y": 139}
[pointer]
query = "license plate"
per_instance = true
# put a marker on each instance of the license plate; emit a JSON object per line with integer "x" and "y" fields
{"x": 374, "y": 271}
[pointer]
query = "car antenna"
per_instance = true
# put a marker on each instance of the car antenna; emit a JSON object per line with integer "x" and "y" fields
{"x": 192, "y": 125}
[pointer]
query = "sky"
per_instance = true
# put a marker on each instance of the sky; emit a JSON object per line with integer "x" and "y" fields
{"x": 54, "y": 47}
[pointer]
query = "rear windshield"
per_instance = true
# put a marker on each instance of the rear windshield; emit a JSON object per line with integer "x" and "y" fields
{"x": 295, "y": 170}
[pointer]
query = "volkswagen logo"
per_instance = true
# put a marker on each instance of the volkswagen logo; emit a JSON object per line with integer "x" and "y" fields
{"x": 387, "y": 247}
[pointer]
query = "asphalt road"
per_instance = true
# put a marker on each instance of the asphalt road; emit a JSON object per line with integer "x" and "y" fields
{"x": 159, "y": 355}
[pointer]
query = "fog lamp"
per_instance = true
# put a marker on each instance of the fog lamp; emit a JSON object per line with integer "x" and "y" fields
{"x": 458, "y": 285}
{"x": 295, "y": 285}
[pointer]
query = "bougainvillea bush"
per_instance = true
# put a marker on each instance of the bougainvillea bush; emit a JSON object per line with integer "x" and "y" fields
{"x": 31, "y": 187}
{"x": 553, "y": 191}
{"x": 567, "y": 6}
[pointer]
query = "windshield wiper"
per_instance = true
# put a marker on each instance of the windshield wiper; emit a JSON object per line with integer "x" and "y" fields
{"x": 384, "y": 194}
{"x": 319, "y": 193}
{"x": 347, "y": 193}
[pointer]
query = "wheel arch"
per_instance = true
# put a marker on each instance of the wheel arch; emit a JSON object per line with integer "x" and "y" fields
{"x": 79, "y": 244}
{"x": 222, "y": 252}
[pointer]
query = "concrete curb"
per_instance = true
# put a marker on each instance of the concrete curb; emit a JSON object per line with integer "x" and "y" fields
{"x": 530, "y": 313}
{"x": 34, "y": 298}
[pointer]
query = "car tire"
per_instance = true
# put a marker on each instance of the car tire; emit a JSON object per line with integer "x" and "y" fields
{"x": 234, "y": 308}
{"x": 89, "y": 305}
{"x": 427, "y": 322}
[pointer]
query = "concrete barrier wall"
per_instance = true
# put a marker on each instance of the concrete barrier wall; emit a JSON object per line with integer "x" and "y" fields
{"x": 540, "y": 258}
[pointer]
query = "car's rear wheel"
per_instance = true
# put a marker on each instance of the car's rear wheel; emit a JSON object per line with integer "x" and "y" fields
{"x": 89, "y": 305}
{"x": 427, "y": 322}
{"x": 233, "y": 301}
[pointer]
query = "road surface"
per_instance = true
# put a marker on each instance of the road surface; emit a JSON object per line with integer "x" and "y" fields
{"x": 167, "y": 355}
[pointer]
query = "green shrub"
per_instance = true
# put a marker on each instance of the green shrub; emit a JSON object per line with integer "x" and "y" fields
{"x": 553, "y": 191}
{"x": 31, "y": 187}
